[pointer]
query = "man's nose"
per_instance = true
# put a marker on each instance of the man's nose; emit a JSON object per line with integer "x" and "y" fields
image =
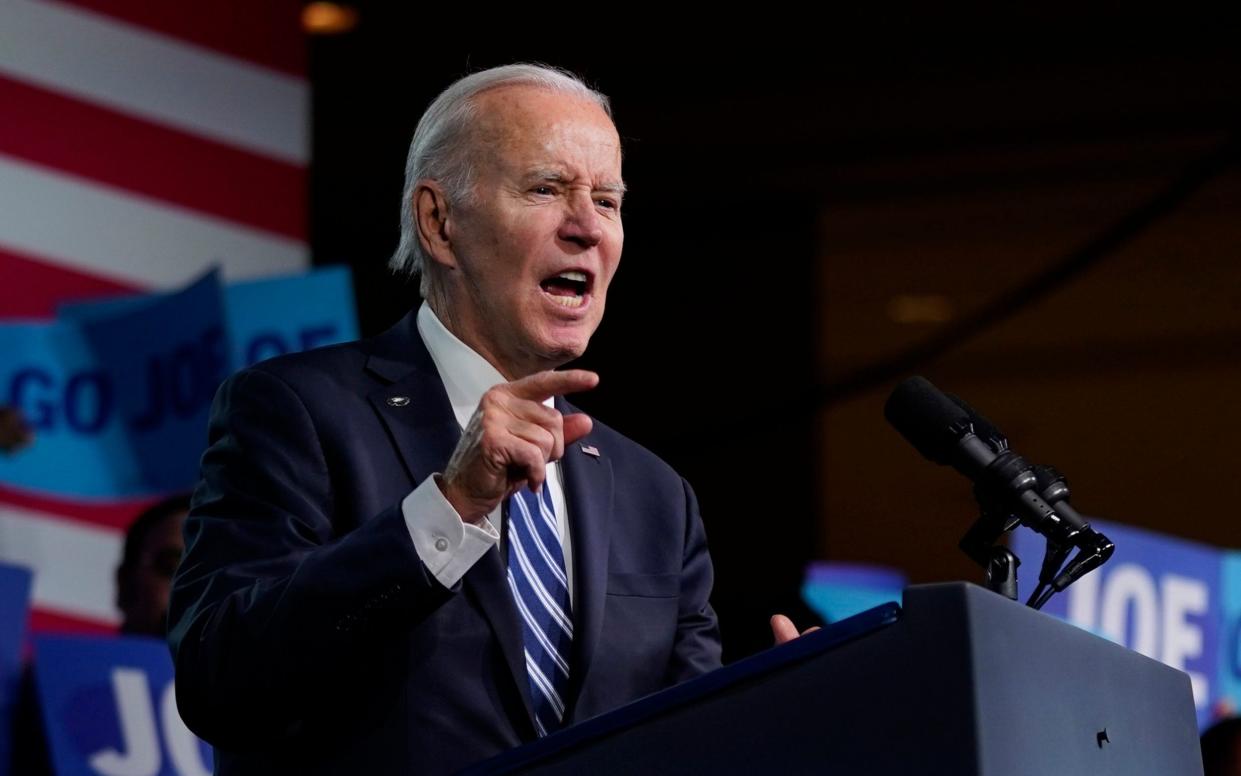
{"x": 582, "y": 223}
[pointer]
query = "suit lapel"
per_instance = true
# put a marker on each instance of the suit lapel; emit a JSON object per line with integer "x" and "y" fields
{"x": 419, "y": 420}
{"x": 415, "y": 409}
{"x": 588, "y": 493}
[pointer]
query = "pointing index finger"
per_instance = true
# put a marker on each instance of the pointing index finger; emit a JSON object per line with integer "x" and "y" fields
{"x": 544, "y": 385}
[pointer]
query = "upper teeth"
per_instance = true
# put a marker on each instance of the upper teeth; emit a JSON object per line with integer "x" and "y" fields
{"x": 580, "y": 277}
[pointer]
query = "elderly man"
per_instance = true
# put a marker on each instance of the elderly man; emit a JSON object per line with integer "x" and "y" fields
{"x": 409, "y": 553}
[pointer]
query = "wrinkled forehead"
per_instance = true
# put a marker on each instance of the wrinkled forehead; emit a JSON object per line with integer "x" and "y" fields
{"x": 525, "y": 125}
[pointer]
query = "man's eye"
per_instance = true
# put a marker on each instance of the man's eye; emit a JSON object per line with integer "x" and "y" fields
{"x": 546, "y": 191}
{"x": 610, "y": 204}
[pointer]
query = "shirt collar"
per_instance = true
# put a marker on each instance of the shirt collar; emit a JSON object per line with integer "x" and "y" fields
{"x": 466, "y": 375}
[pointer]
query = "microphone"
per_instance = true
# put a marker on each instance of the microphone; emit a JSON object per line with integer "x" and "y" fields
{"x": 1051, "y": 484}
{"x": 947, "y": 431}
{"x": 1095, "y": 548}
{"x": 948, "y": 435}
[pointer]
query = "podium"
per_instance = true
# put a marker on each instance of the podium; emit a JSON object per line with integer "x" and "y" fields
{"x": 957, "y": 681}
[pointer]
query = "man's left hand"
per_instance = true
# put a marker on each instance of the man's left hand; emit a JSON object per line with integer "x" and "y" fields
{"x": 783, "y": 629}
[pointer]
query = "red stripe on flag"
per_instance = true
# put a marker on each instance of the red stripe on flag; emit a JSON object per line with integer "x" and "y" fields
{"x": 100, "y": 514}
{"x": 33, "y": 287}
{"x": 113, "y": 148}
{"x": 268, "y": 33}
{"x": 43, "y": 621}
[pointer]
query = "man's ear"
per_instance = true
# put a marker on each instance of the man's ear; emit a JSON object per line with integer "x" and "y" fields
{"x": 431, "y": 218}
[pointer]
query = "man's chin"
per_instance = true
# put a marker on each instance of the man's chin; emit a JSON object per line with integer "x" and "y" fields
{"x": 559, "y": 356}
{"x": 551, "y": 344}
{"x": 558, "y": 351}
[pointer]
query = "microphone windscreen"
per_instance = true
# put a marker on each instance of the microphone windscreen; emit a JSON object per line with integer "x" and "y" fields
{"x": 928, "y": 419}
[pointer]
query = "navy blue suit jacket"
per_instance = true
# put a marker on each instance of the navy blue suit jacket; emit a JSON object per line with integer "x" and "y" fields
{"x": 308, "y": 637}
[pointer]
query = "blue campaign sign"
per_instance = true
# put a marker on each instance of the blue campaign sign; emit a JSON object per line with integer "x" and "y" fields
{"x": 118, "y": 396}
{"x": 266, "y": 317}
{"x": 109, "y": 709}
{"x": 839, "y": 590}
{"x": 274, "y": 316}
{"x": 1228, "y": 693}
{"x": 14, "y": 614}
{"x": 1158, "y": 595}
{"x": 118, "y": 390}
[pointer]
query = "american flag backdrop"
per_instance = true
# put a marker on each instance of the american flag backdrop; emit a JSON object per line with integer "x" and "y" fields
{"x": 141, "y": 141}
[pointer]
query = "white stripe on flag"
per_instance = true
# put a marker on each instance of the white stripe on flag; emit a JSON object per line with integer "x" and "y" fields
{"x": 130, "y": 238}
{"x": 74, "y": 564}
{"x": 156, "y": 77}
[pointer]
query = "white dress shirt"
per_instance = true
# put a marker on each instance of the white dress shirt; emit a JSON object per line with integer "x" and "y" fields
{"x": 448, "y": 545}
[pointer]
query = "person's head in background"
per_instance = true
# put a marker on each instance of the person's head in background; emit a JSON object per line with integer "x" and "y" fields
{"x": 1221, "y": 748}
{"x": 153, "y": 547}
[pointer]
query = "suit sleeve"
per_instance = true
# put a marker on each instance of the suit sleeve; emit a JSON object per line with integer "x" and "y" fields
{"x": 272, "y": 606}
{"x": 696, "y": 650}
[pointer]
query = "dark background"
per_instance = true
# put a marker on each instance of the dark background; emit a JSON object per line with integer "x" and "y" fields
{"x": 812, "y": 202}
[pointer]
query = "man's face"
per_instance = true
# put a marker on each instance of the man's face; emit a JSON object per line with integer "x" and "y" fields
{"x": 538, "y": 244}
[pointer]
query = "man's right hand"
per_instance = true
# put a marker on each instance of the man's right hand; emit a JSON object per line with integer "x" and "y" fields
{"x": 510, "y": 439}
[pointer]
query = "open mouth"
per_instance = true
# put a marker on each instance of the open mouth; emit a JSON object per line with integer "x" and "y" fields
{"x": 568, "y": 288}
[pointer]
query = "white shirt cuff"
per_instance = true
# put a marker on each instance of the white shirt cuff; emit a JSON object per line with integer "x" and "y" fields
{"x": 447, "y": 545}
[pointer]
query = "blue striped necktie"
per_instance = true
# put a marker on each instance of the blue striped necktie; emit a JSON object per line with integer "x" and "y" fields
{"x": 536, "y": 575}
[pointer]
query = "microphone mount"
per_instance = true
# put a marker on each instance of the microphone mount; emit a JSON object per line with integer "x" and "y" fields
{"x": 1008, "y": 489}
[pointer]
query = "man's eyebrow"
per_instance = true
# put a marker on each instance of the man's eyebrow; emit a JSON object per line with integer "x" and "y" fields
{"x": 553, "y": 175}
{"x": 547, "y": 174}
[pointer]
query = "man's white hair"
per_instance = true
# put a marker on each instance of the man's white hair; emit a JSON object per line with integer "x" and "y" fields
{"x": 440, "y": 149}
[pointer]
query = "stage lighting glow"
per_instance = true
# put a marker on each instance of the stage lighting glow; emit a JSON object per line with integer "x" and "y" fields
{"x": 322, "y": 18}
